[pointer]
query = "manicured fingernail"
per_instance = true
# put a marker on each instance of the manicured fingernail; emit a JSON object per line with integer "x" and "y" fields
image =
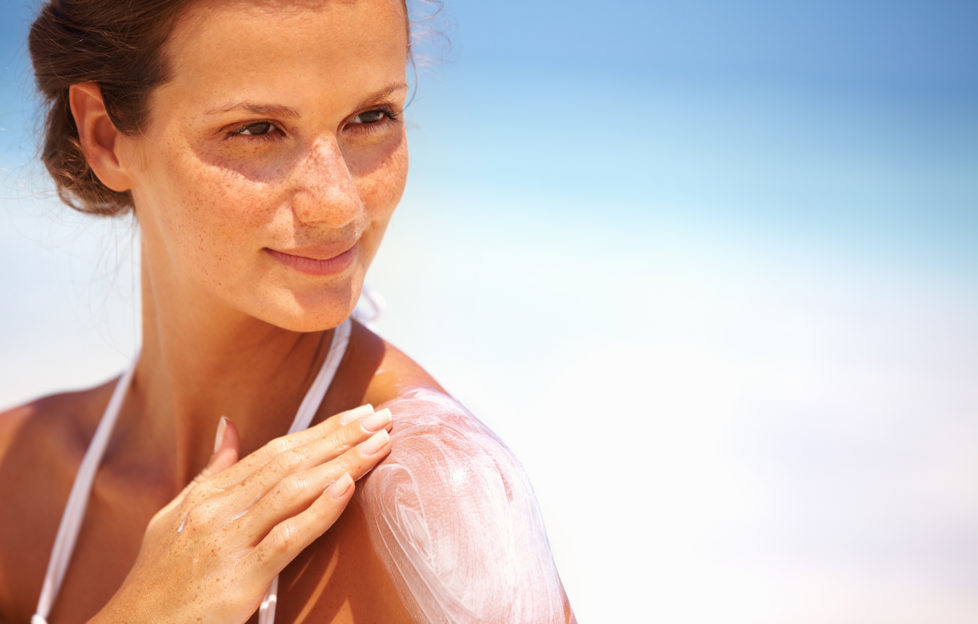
{"x": 341, "y": 486}
{"x": 356, "y": 414}
{"x": 375, "y": 443}
{"x": 376, "y": 421}
{"x": 219, "y": 436}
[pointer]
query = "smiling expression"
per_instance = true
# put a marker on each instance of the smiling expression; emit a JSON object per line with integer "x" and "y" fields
{"x": 273, "y": 158}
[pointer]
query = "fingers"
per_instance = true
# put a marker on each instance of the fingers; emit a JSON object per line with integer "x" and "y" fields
{"x": 256, "y": 497}
{"x": 241, "y": 522}
{"x": 300, "y": 458}
{"x": 294, "y": 493}
{"x": 227, "y": 445}
{"x": 226, "y": 449}
{"x": 289, "y": 537}
{"x": 278, "y": 446}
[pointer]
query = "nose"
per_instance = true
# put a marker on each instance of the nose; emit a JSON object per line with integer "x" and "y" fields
{"x": 325, "y": 191}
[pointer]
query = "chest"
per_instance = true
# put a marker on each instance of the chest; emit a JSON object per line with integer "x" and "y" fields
{"x": 339, "y": 579}
{"x": 107, "y": 545}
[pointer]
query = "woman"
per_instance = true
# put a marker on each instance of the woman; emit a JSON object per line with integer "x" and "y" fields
{"x": 260, "y": 145}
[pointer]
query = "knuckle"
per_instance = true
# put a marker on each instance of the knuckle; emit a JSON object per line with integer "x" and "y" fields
{"x": 345, "y": 440}
{"x": 158, "y": 520}
{"x": 201, "y": 481}
{"x": 277, "y": 446}
{"x": 198, "y": 490}
{"x": 283, "y": 537}
{"x": 289, "y": 460}
{"x": 203, "y": 513}
{"x": 291, "y": 487}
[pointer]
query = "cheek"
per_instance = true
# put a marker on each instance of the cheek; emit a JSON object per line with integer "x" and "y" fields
{"x": 202, "y": 212}
{"x": 381, "y": 183}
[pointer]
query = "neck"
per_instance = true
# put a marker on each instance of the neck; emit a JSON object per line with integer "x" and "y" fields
{"x": 200, "y": 363}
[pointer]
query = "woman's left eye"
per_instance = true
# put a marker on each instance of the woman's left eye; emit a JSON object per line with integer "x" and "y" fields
{"x": 374, "y": 116}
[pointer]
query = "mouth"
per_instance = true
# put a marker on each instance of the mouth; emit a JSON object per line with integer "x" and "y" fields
{"x": 317, "y": 260}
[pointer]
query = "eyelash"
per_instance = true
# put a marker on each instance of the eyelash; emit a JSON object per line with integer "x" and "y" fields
{"x": 389, "y": 116}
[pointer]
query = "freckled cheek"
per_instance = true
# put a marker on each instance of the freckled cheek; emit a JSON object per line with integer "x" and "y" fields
{"x": 216, "y": 213}
{"x": 382, "y": 183}
{"x": 380, "y": 192}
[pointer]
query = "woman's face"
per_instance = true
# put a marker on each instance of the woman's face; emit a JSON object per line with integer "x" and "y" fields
{"x": 273, "y": 159}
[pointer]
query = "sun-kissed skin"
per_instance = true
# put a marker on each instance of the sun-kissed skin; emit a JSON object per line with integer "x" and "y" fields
{"x": 278, "y": 132}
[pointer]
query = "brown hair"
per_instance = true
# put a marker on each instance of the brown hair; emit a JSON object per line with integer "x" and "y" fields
{"x": 115, "y": 44}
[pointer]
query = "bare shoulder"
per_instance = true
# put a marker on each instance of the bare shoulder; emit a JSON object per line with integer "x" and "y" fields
{"x": 451, "y": 512}
{"x": 12, "y": 421}
{"x": 385, "y": 371}
{"x": 428, "y": 419}
{"x": 53, "y": 422}
{"x": 429, "y": 422}
{"x": 40, "y": 443}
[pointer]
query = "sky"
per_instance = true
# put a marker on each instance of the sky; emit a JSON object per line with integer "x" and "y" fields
{"x": 710, "y": 269}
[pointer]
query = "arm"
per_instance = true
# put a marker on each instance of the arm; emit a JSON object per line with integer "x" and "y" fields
{"x": 453, "y": 517}
{"x": 11, "y": 421}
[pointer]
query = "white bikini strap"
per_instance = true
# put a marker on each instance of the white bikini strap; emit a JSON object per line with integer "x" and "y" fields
{"x": 71, "y": 520}
{"x": 308, "y": 408}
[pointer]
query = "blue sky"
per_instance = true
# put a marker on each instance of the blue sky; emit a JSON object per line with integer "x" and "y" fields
{"x": 714, "y": 264}
{"x": 845, "y": 124}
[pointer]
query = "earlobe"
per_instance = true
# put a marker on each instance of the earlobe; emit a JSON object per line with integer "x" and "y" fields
{"x": 98, "y": 135}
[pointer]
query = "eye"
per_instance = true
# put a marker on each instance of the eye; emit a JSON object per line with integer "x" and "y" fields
{"x": 261, "y": 128}
{"x": 372, "y": 117}
{"x": 256, "y": 131}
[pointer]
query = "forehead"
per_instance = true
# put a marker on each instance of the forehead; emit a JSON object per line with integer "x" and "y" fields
{"x": 241, "y": 39}
{"x": 195, "y": 12}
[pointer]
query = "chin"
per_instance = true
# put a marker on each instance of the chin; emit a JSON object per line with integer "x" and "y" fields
{"x": 324, "y": 309}
{"x": 310, "y": 323}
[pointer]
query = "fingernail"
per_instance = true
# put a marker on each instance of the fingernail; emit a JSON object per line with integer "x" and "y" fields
{"x": 375, "y": 443}
{"x": 376, "y": 421}
{"x": 341, "y": 486}
{"x": 356, "y": 413}
{"x": 219, "y": 436}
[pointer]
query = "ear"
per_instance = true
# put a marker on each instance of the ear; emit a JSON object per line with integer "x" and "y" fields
{"x": 98, "y": 135}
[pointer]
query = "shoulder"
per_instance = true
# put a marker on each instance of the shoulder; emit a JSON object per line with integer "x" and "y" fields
{"x": 452, "y": 514}
{"x": 444, "y": 453}
{"x": 45, "y": 427}
{"x": 390, "y": 371}
{"x": 434, "y": 437}
{"x": 373, "y": 371}
{"x": 428, "y": 421}
{"x": 54, "y": 422}
{"x": 40, "y": 443}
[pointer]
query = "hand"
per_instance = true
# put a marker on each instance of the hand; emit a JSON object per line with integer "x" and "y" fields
{"x": 212, "y": 552}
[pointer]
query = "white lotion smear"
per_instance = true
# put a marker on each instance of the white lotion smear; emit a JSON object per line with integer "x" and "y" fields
{"x": 454, "y": 518}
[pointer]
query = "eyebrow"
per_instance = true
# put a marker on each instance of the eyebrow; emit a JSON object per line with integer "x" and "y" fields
{"x": 382, "y": 94}
{"x": 272, "y": 110}
{"x": 277, "y": 110}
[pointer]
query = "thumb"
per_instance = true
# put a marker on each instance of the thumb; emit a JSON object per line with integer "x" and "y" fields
{"x": 226, "y": 447}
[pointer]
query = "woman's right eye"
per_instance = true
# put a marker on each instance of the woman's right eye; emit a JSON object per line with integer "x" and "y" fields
{"x": 261, "y": 128}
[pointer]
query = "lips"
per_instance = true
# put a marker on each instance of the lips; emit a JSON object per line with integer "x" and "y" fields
{"x": 317, "y": 259}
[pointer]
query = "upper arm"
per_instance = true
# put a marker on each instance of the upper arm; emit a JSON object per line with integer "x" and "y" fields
{"x": 12, "y": 479}
{"x": 453, "y": 517}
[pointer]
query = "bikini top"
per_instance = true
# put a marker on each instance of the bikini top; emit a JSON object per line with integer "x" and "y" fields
{"x": 71, "y": 520}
